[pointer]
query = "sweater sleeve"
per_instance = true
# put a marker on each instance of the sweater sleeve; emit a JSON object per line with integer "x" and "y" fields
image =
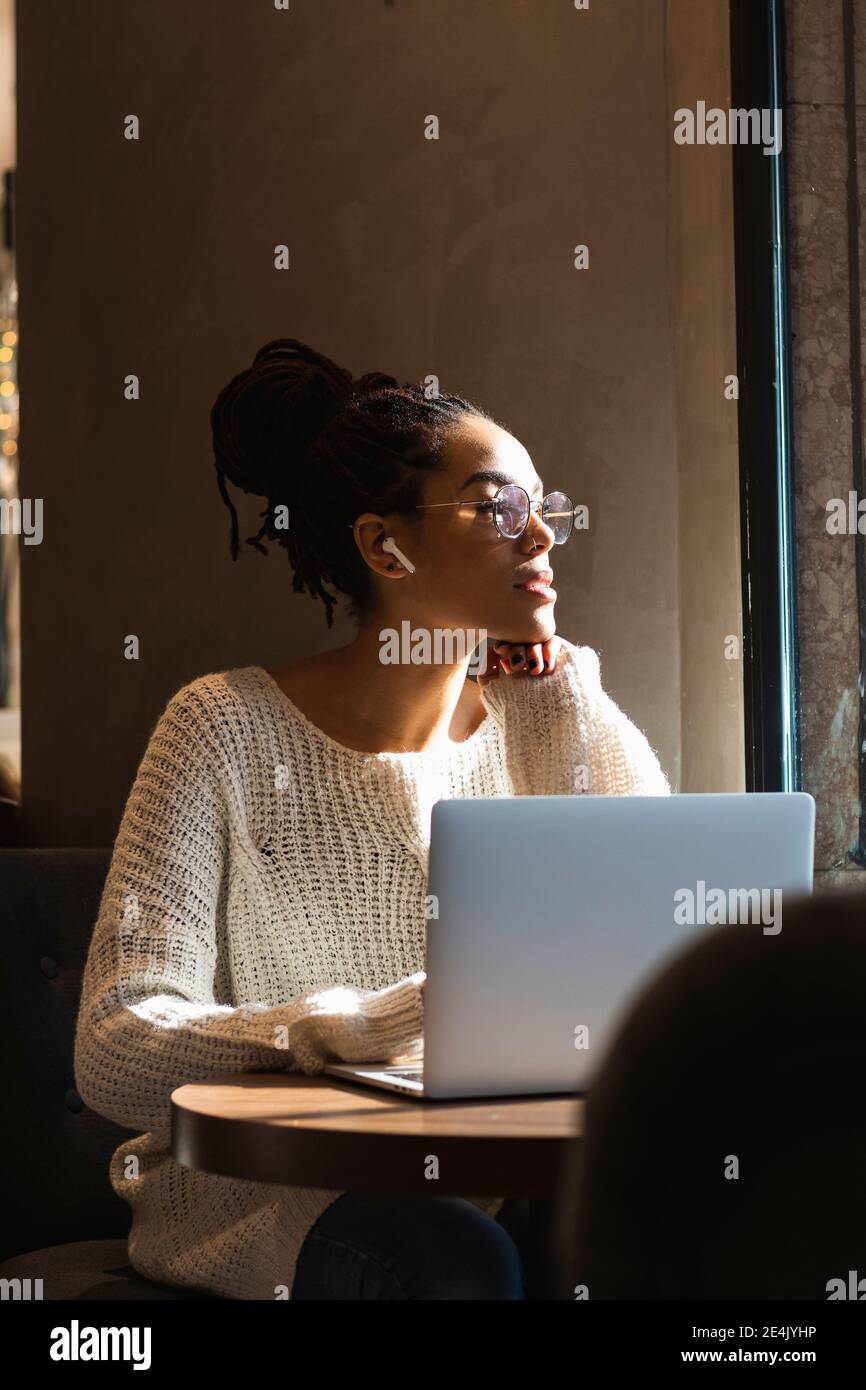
{"x": 148, "y": 1020}
{"x": 565, "y": 735}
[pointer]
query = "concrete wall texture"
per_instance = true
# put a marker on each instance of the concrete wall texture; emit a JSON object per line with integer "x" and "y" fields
{"x": 826, "y": 131}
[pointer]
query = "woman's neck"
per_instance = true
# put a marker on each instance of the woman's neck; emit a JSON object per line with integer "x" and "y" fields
{"x": 367, "y": 704}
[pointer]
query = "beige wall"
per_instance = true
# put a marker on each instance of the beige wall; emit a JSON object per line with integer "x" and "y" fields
{"x": 7, "y": 84}
{"x": 411, "y": 256}
{"x": 705, "y": 353}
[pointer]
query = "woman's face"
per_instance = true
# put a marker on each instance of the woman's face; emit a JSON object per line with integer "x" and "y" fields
{"x": 466, "y": 574}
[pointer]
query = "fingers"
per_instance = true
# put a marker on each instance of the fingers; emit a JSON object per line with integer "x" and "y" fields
{"x": 519, "y": 658}
{"x": 491, "y": 668}
{"x": 550, "y": 652}
{"x": 511, "y": 656}
{"x": 527, "y": 659}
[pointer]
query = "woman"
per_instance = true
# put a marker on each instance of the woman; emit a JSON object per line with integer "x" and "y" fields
{"x": 265, "y": 904}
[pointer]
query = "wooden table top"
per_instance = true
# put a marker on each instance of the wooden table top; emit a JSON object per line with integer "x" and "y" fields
{"x": 322, "y": 1131}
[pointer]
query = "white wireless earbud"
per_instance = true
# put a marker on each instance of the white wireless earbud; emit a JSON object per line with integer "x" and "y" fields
{"x": 390, "y": 545}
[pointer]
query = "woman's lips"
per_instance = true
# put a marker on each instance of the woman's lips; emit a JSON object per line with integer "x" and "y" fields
{"x": 538, "y": 587}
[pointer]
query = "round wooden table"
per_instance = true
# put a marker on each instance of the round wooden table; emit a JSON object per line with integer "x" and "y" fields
{"x": 321, "y": 1131}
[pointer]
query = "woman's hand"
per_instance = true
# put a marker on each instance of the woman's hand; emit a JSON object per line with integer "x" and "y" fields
{"x": 520, "y": 659}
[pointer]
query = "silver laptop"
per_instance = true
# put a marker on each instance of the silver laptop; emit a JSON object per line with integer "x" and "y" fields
{"x": 554, "y": 911}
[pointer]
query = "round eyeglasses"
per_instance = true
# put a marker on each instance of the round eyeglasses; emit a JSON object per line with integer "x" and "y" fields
{"x": 511, "y": 508}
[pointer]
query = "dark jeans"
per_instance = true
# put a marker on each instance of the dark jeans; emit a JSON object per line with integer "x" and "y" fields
{"x": 366, "y": 1246}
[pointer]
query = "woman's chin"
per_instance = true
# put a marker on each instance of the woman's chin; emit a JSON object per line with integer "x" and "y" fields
{"x": 527, "y": 622}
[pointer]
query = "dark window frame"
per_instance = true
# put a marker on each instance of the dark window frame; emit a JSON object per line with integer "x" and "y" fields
{"x": 770, "y": 629}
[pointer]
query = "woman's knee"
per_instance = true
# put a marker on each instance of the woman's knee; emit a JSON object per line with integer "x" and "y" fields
{"x": 424, "y": 1248}
{"x": 475, "y": 1258}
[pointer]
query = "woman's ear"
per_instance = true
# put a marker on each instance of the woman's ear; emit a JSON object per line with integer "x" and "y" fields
{"x": 372, "y": 540}
{"x": 391, "y": 546}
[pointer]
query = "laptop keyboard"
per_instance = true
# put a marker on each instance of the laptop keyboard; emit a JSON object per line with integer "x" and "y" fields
{"x": 409, "y": 1074}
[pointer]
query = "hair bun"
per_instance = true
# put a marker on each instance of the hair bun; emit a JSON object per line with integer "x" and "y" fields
{"x": 374, "y": 381}
{"x": 268, "y": 416}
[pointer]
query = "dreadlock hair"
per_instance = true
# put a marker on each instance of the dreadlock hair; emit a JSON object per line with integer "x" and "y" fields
{"x": 296, "y": 429}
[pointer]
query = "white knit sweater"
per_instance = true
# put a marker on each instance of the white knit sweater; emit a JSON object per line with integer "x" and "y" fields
{"x": 258, "y": 865}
